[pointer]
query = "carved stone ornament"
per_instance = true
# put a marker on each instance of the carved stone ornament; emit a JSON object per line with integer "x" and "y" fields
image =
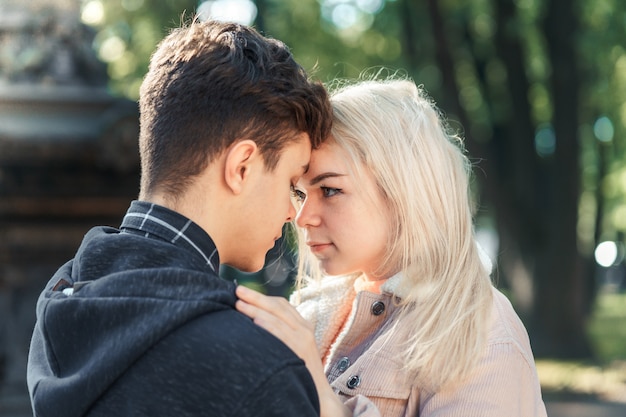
{"x": 45, "y": 42}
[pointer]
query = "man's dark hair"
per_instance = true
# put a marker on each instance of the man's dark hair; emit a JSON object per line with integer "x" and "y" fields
{"x": 212, "y": 83}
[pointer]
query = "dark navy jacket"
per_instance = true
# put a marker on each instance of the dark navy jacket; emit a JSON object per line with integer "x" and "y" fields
{"x": 140, "y": 324}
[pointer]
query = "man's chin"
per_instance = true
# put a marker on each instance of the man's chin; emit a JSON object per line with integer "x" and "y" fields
{"x": 252, "y": 269}
{"x": 247, "y": 267}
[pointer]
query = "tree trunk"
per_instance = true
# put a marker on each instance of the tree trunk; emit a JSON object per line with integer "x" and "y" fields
{"x": 563, "y": 276}
{"x": 519, "y": 192}
{"x": 534, "y": 200}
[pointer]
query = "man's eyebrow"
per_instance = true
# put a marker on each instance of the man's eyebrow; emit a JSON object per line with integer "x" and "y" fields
{"x": 325, "y": 175}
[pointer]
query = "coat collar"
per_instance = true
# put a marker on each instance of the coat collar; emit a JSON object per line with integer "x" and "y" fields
{"x": 327, "y": 305}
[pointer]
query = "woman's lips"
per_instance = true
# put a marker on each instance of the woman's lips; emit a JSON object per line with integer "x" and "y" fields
{"x": 318, "y": 247}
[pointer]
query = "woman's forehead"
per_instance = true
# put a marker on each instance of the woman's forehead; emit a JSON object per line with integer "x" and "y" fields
{"x": 329, "y": 157}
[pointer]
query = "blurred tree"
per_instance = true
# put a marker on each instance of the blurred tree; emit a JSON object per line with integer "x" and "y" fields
{"x": 128, "y": 31}
{"x": 536, "y": 87}
{"x": 531, "y": 188}
{"x": 512, "y": 75}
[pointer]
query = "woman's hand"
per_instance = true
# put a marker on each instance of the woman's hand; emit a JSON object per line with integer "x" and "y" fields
{"x": 280, "y": 318}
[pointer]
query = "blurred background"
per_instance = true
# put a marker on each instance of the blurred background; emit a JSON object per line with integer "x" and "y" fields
{"x": 536, "y": 87}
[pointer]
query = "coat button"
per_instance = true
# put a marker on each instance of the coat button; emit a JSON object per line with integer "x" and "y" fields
{"x": 343, "y": 364}
{"x": 378, "y": 308}
{"x": 353, "y": 381}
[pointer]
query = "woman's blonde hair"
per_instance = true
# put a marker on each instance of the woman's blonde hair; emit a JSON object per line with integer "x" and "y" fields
{"x": 393, "y": 131}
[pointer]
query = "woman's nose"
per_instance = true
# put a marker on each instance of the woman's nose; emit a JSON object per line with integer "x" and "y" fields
{"x": 307, "y": 215}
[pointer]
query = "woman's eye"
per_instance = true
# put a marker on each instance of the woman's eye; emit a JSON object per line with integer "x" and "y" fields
{"x": 298, "y": 195}
{"x": 329, "y": 192}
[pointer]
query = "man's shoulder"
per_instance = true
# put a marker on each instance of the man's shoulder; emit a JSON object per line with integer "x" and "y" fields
{"x": 223, "y": 361}
{"x": 220, "y": 364}
{"x": 230, "y": 333}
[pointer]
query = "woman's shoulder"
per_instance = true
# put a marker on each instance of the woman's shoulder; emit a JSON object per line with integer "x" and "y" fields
{"x": 325, "y": 305}
{"x": 506, "y": 328}
{"x": 328, "y": 288}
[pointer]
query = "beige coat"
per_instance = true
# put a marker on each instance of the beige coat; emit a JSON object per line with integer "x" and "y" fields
{"x": 368, "y": 374}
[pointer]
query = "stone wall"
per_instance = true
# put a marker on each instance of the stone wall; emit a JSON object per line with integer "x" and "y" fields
{"x": 68, "y": 161}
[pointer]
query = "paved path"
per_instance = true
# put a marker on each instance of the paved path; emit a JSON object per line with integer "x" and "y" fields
{"x": 19, "y": 407}
{"x": 585, "y": 409}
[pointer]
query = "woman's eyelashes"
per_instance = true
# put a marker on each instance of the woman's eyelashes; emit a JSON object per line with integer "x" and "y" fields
{"x": 329, "y": 191}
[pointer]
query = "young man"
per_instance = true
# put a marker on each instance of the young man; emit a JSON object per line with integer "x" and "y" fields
{"x": 139, "y": 323}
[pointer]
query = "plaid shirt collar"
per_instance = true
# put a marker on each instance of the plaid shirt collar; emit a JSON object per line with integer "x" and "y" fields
{"x": 159, "y": 222}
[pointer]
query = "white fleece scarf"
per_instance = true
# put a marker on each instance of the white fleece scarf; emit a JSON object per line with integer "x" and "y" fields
{"x": 327, "y": 304}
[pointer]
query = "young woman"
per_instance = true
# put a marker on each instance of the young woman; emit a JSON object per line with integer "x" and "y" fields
{"x": 397, "y": 315}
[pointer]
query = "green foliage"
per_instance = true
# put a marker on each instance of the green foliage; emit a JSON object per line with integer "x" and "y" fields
{"x": 607, "y": 327}
{"x": 604, "y": 378}
{"x": 398, "y": 36}
{"x": 401, "y": 35}
{"x": 128, "y": 32}
{"x": 603, "y": 62}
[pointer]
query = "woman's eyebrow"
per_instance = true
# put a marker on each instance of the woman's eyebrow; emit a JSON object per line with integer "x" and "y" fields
{"x": 323, "y": 176}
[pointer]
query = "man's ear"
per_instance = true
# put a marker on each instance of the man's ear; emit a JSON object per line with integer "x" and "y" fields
{"x": 237, "y": 165}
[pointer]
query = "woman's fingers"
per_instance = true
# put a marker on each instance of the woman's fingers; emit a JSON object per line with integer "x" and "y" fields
{"x": 253, "y": 297}
{"x": 275, "y": 306}
{"x": 268, "y": 321}
{"x": 263, "y": 301}
{"x": 280, "y": 318}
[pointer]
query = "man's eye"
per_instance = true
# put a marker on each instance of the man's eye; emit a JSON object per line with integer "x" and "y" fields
{"x": 298, "y": 195}
{"x": 329, "y": 192}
